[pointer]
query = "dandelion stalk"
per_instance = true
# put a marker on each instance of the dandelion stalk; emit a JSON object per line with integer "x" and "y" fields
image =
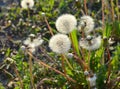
{"x": 82, "y": 50}
{"x": 63, "y": 66}
{"x": 81, "y": 63}
{"x": 64, "y": 58}
{"x": 85, "y": 6}
{"x": 109, "y": 67}
{"x": 103, "y": 12}
{"x": 89, "y": 53}
{"x": 50, "y": 29}
{"x": 44, "y": 64}
{"x": 118, "y": 13}
{"x": 18, "y": 75}
{"x": 31, "y": 75}
{"x": 112, "y": 10}
{"x": 28, "y": 13}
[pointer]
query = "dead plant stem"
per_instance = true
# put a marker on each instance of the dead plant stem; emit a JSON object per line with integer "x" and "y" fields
{"x": 64, "y": 57}
{"x": 57, "y": 71}
{"x": 51, "y": 32}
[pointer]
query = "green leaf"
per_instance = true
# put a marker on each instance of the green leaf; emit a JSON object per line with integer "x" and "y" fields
{"x": 7, "y": 52}
{"x": 107, "y": 30}
{"x": 74, "y": 39}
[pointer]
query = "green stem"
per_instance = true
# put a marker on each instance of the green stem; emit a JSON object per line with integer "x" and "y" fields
{"x": 31, "y": 75}
{"x": 63, "y": 66}
{"x": 28, "y": 13}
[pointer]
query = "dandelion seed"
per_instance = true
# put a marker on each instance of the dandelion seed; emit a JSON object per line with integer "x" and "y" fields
{"x": 66, "y": 23}
{"x": 23, "y": 48}
{"x": 9, "y": 21}
{"x": 43, "y": 14}
{"x": 32, "y": 35}
{"x": 70, "y": 55}
{"x": 86, "y": 24}
{"x": 20, "y": 20}
{"x": 110, "y": 41}
{"x": 86, "y": 73}
{"x": 92, "y": 44}
{"x": 27, "y": 4}
{"x": 60, "y": 43}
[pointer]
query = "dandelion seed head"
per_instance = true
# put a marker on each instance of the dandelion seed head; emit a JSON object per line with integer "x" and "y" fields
{"x": 60, "y": 43}
{"x": 27, "y": 41}
{"x": 92, "y": 80}
{"x": 66, "y": 23}
{"x": 38, "y": 41}
{"x": 92, "y": 44}
{"x": 33, "y": 43}
{"x": 86, "y": 24}
{"x": 27, "y": 4}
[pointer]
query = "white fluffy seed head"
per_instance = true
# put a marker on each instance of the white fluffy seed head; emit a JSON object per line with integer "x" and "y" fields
{"x": 38, "y": 41}
{"x": 87, "y": 23}
{"x": 66, "y": 23}
{"x": 92, "y": 44}
{"x": 27, "y": 4}
{"x": 60, "y": 43}
{"x": 92, "y": 80}
{"x": 33, "y": 44}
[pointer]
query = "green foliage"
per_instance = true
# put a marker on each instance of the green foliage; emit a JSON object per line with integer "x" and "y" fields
{"x": 1, "y": 86}
{"x": 107, "y": 30}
